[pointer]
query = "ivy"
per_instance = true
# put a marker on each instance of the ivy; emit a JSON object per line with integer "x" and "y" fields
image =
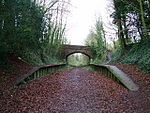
{"x": 140, "y": 55}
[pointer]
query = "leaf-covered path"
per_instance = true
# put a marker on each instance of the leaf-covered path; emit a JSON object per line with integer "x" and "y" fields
{"x": 72, "y": 91}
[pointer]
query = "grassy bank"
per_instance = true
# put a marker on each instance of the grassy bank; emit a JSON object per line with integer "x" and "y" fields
{"x": 138, "y": 54}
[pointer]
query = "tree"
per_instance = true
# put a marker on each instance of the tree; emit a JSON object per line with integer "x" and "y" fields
{"x": 132, "y": 16}
{"x": 96, "y": 40}
{"x": 29, "y": 27}
{"x": 120, "y": 20}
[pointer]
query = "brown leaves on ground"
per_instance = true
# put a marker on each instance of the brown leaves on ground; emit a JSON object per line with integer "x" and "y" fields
{"x": 78, "y": 91}
{"x": 19, "y": 68}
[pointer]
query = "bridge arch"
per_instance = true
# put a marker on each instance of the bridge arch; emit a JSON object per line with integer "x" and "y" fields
{"x": 86, "y": 61}
{"x": 67, "y": 50}
{"x": 67, "y": 55}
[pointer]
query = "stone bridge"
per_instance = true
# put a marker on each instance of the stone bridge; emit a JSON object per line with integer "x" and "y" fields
{"x": 67, "y": 50}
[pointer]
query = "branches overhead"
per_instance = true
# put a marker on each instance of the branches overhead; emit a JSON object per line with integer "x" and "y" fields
{"x": 131, "y": 17}
{"x": 32, "y": 25}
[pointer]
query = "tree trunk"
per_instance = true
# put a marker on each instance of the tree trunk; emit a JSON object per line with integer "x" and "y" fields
{"x": 121, "y": 35}
{"x": 145, "y": 33}
{"x": 125, "y": 28}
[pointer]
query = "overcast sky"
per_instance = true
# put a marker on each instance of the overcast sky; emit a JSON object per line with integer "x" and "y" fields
{"x": 82, "y": 18}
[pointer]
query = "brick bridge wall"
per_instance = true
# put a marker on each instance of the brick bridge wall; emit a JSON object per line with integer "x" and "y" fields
{"x": 67, "y": 50}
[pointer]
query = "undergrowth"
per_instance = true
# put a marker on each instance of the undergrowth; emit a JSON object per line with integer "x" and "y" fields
{"x": 138, "y": 55}
{"x": 117, "y": 54}
{"x": 30, "y": 57}
{"x": 40, "y": 59}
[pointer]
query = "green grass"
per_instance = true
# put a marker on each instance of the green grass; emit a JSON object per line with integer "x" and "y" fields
{"x": 88, "y": 68}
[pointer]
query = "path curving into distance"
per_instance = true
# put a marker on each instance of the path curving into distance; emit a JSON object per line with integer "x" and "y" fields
{"x": 70, "y": 91}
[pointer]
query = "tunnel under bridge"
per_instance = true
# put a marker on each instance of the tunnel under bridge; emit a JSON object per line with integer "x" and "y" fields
{"x": 67, "y": 50}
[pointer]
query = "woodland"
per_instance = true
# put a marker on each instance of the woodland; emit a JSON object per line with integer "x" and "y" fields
{"x": 131, "y": 45}
{"x": 34, "y": 78}
{"x": 33, "y": 30}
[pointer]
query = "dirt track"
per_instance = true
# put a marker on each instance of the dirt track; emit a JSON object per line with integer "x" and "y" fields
{"x": 73, "y": 91}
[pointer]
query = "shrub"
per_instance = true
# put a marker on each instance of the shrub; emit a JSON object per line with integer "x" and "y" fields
{"x": 140, "y": 55}
{"x": 117, "y": 54}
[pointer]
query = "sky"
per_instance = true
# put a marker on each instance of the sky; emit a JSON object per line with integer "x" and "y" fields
{"x": 82, "y": 17}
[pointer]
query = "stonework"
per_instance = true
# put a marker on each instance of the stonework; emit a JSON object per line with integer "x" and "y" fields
{"x": 67, "y": 50}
